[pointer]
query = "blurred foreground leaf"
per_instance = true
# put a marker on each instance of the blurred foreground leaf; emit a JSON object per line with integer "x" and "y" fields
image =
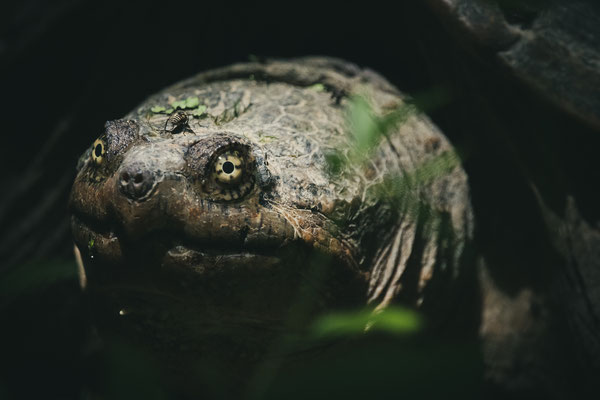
{"x": 403, "y": 190}
{"x": 392, "y": 320}
{"x": 368, "y": 128}
{"x": 364, "y": 125}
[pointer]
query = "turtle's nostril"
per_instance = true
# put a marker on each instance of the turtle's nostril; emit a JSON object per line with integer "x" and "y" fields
{"x": 124, "y": 177}
{"x": 138, "y": 187}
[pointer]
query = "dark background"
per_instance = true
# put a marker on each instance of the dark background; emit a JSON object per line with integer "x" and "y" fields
{"x": 68, "y": 66}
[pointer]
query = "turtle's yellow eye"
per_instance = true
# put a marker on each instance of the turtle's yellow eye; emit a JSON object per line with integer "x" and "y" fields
{"x": 230, "y": 173}
{"x": 98, "y": 151}
{"x": 229, "y": 168}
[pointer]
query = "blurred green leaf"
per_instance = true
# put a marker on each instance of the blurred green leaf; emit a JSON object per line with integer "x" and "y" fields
{"x": 403, "y": 189}
{"x": 363, "y": 124}
{"x": 392, "y": 320}
{"x": 395, "y": 118}
{"x": 335, "y": 162}
{"x": 437, "y": 166}
{"x": 367, "y": 129}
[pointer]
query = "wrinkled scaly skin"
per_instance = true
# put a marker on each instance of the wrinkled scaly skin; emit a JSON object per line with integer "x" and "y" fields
{"x": 195, "y": 272}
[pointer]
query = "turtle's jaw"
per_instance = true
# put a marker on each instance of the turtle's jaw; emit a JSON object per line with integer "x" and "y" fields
{"x": 194, "y": 292}
{"x": 101, "y": 247}
{"x": 174, "y": 229}
{"x": 108, "y": 253}
{"x": 95, "y": 240}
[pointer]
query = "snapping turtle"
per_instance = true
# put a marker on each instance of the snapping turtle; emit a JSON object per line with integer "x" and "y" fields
{"x": 204, "y": 215}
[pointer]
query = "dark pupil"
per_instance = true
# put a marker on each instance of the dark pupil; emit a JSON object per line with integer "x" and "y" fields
{"x": 98, "y": 150}
{"x": 228, "y": 167}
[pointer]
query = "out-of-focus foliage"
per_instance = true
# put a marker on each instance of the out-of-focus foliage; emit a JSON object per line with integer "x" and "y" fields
{"x": 402, "y": 190}
{"x": 392, "y": 320}
{"x": 368, "y": 129}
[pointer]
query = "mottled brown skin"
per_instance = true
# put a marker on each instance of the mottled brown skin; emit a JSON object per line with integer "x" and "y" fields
{"x": 199, "y": 265}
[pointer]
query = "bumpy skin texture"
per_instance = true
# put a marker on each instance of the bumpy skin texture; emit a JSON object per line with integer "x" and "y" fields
{"x": 241, "y": 254}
